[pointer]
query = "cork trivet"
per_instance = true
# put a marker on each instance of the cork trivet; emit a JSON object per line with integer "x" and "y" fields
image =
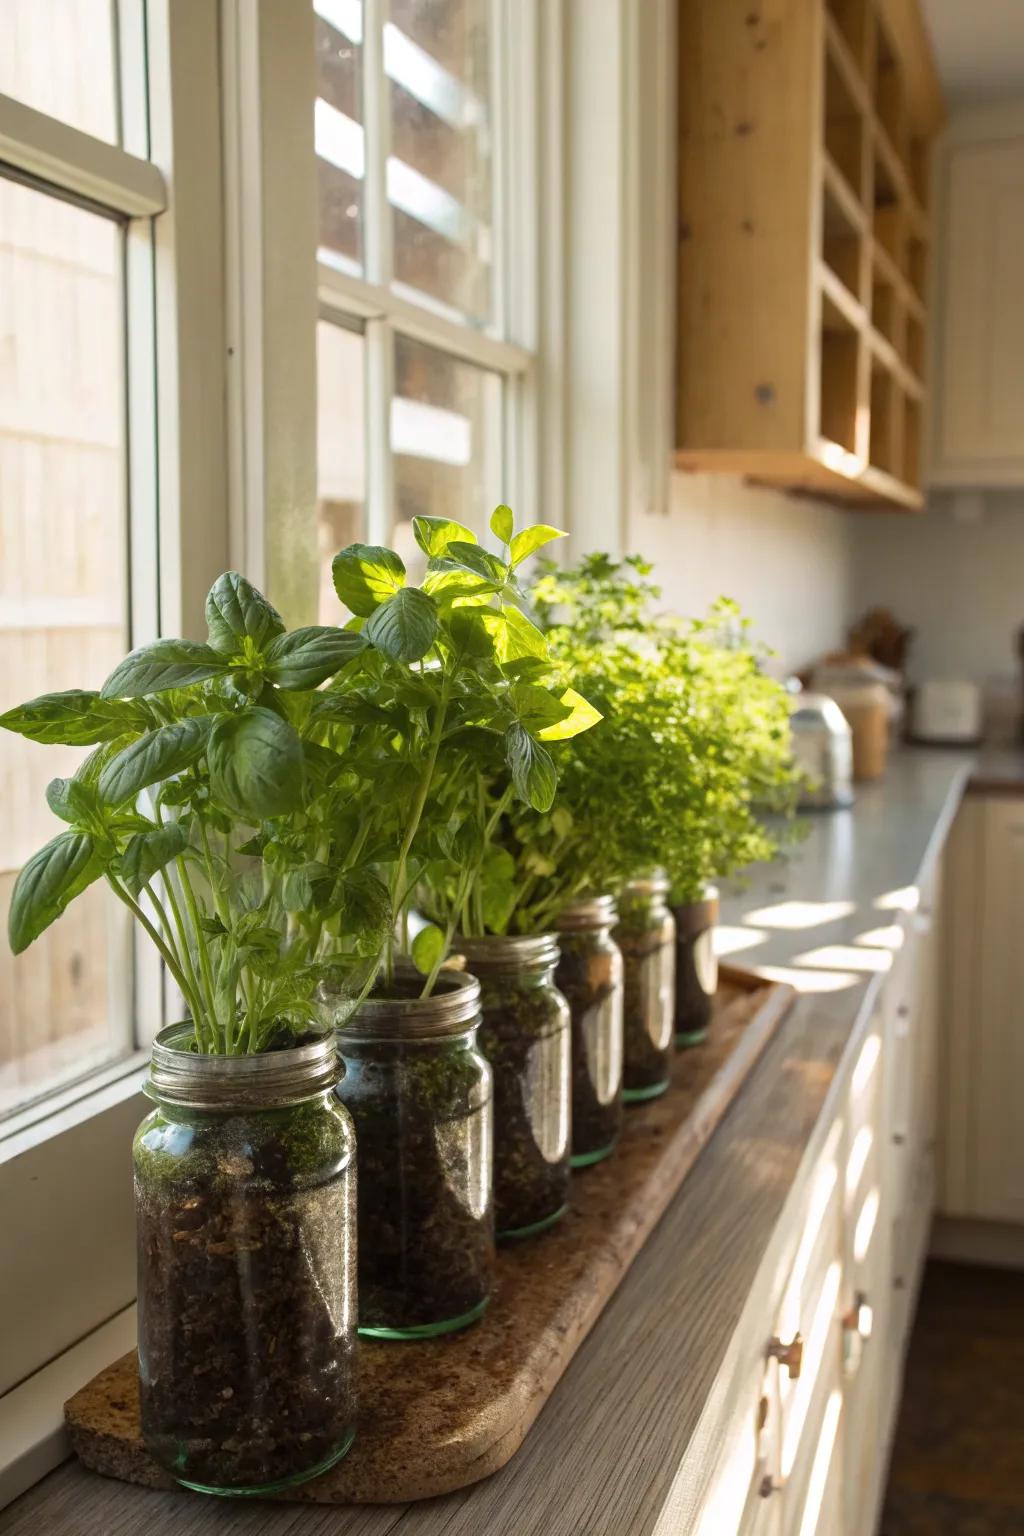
{"x": 441, "y": 1414}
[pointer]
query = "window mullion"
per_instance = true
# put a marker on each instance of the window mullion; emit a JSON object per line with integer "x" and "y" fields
{"x": 380, "y": 468}
{"x": 377, "y": 247}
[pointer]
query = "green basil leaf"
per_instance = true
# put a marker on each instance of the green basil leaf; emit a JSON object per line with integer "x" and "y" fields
{"x": 498, "y": 889}
{"x": 256, "y": 765}
{"x": 537, "y": 707}
{"x": 49, "y": 881}
{"x": 71, "y": 799}
{"x": 476, "y": 631}
{"x": 404, "y": 627}
{"x": 366, "y": 575}
{"x": 162, "y": 665}
{"x": 533, "y": 770}
{"x": 76, "y": 718}
{"x": 160, "y": 754}
{"x": 502, "y": 523}
{"x": 521, "y": 637}
{"x": 530, "y": 540}
{"x": 447, "y": 581}
{"x": 149, "y": 852}
{"x": 235, "y": 611}
{"x": 580, "y": 716}
{"x": 364, "y": 907}
{"x": 427, "y": 948}
{"x": 480, "y": 561}
{"x": 305, "y": 658}
{"x": 434, "y": 534}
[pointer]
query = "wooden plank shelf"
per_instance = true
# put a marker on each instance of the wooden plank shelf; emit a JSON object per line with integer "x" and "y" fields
{"x": 805, "y": 133}
{"x": 442, "y": 1414}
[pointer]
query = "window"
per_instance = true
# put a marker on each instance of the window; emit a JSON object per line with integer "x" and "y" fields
{"x": 68, "y": 607}
{"x": 421, "y": 356}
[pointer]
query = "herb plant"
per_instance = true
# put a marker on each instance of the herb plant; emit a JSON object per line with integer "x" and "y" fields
{"x": 263, "y": 802}
{"x": 694, "y": 746}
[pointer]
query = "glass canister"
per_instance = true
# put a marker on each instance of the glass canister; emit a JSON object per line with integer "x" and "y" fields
{"x": 245, "y": 1202}
{"x": 589, "y": 975}
{"x": 526, "y": 1037}
{"x": 646, "y": 935}
{"x": 696, "y": 967}
{"x": 420, "y": 1094}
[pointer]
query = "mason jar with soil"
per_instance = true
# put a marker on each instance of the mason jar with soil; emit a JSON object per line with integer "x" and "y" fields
{"x": 646, "y": 935}
{"x": 696, "y": 967}
{"x": 589, "y": 976}
{"x": 420, "y": 1093}
{"x": 526, "y": 1037}
{"x": 245, "y": 1203}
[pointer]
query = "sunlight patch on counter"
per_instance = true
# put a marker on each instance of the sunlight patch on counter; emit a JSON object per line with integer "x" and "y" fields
{"x": 847, "y": 957}
{"x": 793, "y": 915}
{"x": 732, "y": 941}
{"x": 809, "y": 981}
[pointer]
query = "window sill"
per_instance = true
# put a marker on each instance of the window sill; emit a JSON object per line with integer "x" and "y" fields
{"x": 71, "y": 1106}
{"x": 32, "y": 1431}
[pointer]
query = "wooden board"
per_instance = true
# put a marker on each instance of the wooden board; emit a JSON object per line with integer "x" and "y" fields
{"x": 436, "y": 1416}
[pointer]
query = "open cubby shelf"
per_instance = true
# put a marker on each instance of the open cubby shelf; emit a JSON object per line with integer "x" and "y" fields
{"x": 873, "y": 244}
{"x": 803, "y": 250}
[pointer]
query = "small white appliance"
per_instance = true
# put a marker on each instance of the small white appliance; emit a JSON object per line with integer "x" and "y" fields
{"x": 947, "y": 712}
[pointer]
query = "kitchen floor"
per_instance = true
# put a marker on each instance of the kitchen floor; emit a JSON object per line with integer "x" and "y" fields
{"x": 958, "y": 1460}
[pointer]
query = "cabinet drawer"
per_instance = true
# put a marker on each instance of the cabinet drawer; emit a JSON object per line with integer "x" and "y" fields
{"x": 810, "y": 1309}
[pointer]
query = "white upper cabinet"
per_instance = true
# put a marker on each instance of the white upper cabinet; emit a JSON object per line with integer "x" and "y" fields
{"x": 978, "y": 436}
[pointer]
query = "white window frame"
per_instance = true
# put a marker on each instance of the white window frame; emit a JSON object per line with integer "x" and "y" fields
{"x": 272, "y": 243}
{"x": 65, "y": 1181}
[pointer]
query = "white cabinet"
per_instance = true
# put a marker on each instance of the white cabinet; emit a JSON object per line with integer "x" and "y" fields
{"x": 817, "y": 1380}
{"x": 983, "y": 1165}
{"x": 978, "y": 431}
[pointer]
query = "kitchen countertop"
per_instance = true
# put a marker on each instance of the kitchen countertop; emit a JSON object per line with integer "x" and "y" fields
{"x": 603, "y": 1457}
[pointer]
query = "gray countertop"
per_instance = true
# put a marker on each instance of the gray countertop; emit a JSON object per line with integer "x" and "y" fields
{"x": 601, "y": 1459}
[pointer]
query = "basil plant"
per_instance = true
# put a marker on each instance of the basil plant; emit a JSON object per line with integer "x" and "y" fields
{"x": 263, "y": 802}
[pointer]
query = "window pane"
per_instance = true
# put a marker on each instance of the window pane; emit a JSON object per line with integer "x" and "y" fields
{"x": 440, "y": 174}
{"x": 58, "y": 56}
{"x": 446, "y": 441}
{"x": 341, "y": 452}
{"x": 63, "y": 606}
{"x": 339, "y": 131}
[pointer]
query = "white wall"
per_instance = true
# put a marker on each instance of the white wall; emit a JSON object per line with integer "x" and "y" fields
{"x": 956, "y": 575}
{"x": 785, "y": 559}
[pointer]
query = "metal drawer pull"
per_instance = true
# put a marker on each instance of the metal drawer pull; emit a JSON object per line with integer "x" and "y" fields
{"x": 861, "y": 1317}
{"x": 790, "y": 1355}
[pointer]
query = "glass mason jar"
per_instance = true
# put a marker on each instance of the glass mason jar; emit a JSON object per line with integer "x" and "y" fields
{"x": 245, "y": 1203}
{"x": 419, "y": 1092}
{"x": 696, "y": 967}
{"x": 647, "y": 937}
{"x": 526, "y": 1037}
{"x": 589, "y": 975}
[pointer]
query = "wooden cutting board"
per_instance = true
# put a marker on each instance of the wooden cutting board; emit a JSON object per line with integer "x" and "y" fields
{"x": 441, "y": 1414}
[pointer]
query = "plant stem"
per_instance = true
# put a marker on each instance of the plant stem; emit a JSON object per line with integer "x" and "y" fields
{"x": 204, "y": 958}
{"x": 400, "y": 894}
{"x": 169, "y": 959}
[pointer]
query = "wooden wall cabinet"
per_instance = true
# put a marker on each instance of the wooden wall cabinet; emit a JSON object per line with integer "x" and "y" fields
{"x": 978, "y": 432}
{"x": 805, "y": 132}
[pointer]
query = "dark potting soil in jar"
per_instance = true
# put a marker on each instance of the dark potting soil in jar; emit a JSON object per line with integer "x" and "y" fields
{"x": 696, "y": 968}
{"x": 247, "y": 1302}
{"x": 525, "y": 1035}
{"x": 419, "y": 1092}
{"x": 589, "y": 976}
{"x": 646, "y": 936}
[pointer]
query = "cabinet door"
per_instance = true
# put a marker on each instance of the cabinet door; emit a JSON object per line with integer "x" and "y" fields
{"x": 981, "y": 412}
{"x": 866, "y": 1285}
{"x": 997, "y": 1059}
